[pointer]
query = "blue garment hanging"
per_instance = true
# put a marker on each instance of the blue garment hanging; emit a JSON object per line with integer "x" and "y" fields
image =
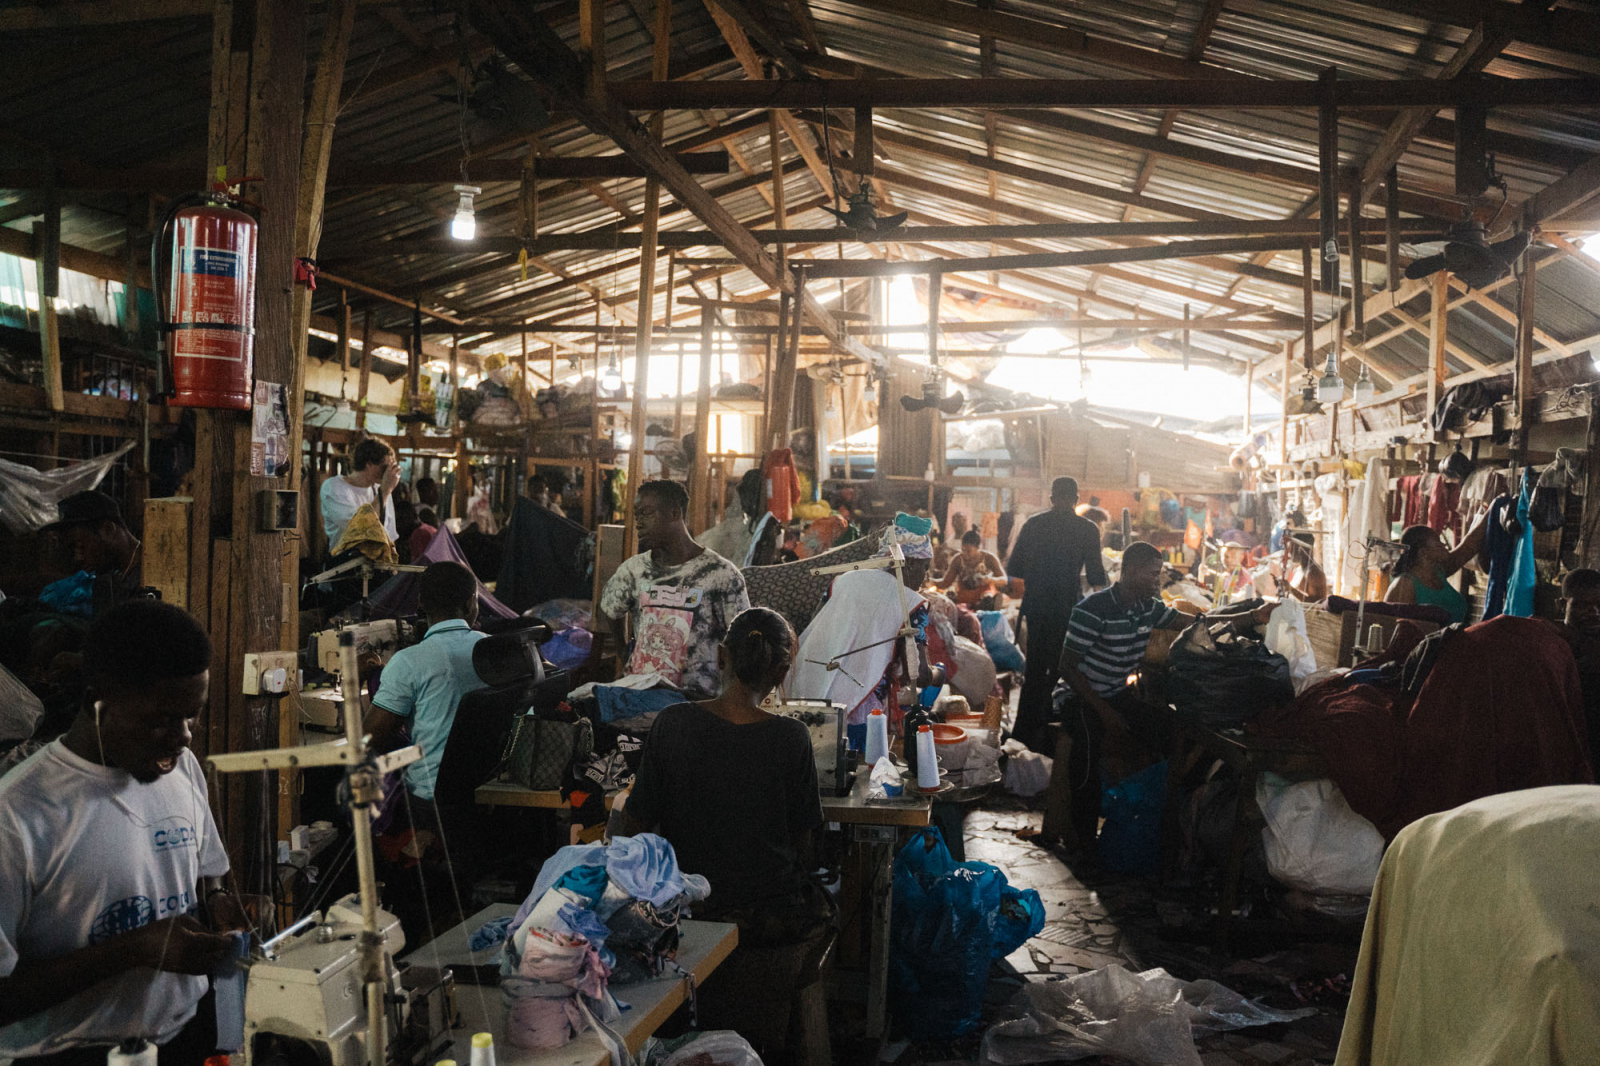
{"x": 1500, "y": 547}
{"x": 1519, "y": 596}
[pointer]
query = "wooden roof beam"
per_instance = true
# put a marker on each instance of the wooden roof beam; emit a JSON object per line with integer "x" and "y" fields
{"x": 1081, "y": 93}
{"x": 1487, "y": 40}
{"x": 858, "y": 268}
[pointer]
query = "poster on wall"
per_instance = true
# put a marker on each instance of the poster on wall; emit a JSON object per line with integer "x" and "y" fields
{"x": 269, "y": 431}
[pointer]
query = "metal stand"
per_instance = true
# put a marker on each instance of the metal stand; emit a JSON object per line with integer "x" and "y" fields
{"x": 366, "y": 790}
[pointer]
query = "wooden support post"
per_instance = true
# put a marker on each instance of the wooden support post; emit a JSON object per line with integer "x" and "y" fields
{"x": 1358, "y": 281}
{"x": 592, "y": 45}
{"x": 1391, "y": 219}
{"x": 463, "y": 478}
{"x": 342, "y": 337}
{"x": 780, "y": 213}
{"x": 366, "y": 370}
{"x": 1589, "y": 539}
{"x": 1328, "y": 179}
{"x": 862, "y": 150}
{"x": 1307, "y": 292}
{"x": 1249, "y": 395}
{"x": 1283, "y": 396}
{"x": 700, "y": 473}
{"x": 936, "y": 423}
{"x": 1437, "y": 335}
{"x": 645, "y": 313}
{"x": 454, "y": 425}
{"x": 782, "y": 385}
{"x": 1527, "y": 394}
{"x": 47, "y": 264}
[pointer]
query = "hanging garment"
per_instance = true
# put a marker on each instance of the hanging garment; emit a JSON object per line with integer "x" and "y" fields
{"x": 1519, "y": 593}
{"x": 546, "y": 557}
{"x": 398, "y": 597}
{"x": 1444, "y": 506}
{"x": 1367, "y": 516}
{"x": 781, "y": 484}
{"x": 1500, "y": 546}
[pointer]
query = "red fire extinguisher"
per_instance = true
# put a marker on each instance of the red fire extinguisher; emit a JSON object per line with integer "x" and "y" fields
{"x": 210, "y": 292}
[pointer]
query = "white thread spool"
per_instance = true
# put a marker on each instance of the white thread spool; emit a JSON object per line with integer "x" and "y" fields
{"x": 482, "y": 1049}
{"x": 877, "y": 737}
{"x": 927, "y": 759}
{"x": 134, "y": 1052}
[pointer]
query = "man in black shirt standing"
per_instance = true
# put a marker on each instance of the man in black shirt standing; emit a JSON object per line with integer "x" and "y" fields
{"x": 1053, "y": 553}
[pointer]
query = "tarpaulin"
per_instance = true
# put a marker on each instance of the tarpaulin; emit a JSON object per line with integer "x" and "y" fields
{"x": 397, "y": 597}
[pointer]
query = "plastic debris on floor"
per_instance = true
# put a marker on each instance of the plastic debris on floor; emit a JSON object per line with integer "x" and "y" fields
{"x": 1148, "y": 1018}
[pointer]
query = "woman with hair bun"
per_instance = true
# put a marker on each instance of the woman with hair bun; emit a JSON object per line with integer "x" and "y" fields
{"x": 1423, "y": 571}
{"x": 733, "y": 788}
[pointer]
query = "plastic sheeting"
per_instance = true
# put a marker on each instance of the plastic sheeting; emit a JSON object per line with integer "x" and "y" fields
{"x": 29, "y": 497}
{"x": 397, "y": 597}
{"x": 1148, "y": 1018}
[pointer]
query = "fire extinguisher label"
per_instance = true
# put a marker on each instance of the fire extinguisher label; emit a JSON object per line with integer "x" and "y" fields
{"x": 212, "y": 291}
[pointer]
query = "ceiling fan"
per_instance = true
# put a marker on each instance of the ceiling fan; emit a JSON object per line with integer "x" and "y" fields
{"x": 931, "y": 398}
{"x": 1467, "y": 252}
{"x": 859, "y": 214}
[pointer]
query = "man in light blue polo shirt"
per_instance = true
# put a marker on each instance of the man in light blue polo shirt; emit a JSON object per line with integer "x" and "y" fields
{"x": 423, "y": 684}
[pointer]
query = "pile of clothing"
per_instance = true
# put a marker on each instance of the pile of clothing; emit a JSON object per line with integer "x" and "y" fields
{"x": 598, "y": 915}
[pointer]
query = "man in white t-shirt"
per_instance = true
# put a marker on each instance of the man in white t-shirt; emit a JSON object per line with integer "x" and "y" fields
{"x": 680, "y": 597}
{"x": 374, "y": 473}
{"x": 109, "y": 858}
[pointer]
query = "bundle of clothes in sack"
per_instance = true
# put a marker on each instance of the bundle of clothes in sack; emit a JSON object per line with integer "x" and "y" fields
{"x": 599, "y": 915}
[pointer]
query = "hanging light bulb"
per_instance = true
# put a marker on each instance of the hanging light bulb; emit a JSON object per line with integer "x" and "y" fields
{"x": 1330, "y": 387}
{"x": 464, "y": 227}
{"x": 611, "y": 379}
{"x": 1364, "y": 387}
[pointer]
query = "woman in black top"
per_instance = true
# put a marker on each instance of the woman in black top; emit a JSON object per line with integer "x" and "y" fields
{"x": 734, "y": 789}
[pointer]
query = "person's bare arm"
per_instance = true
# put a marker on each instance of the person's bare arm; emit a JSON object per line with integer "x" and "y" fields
{"x": 1469, "y": 547}
{"x": 1401, "y": 590}
{"x": 1085, "y": 692}
{"x": 386, "y": 728}
{"x": 996, "y": 571}
{"x": 176, "y": 945}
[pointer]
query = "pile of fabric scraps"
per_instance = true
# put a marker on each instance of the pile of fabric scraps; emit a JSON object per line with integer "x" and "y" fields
{"x": 598, "y": 915}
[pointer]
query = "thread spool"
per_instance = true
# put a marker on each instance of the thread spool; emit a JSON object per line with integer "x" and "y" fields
{"x": 1374, "y": 639}
{"x": 877, "y": 737}
{"x": 482, "y": 1049}
{"x": 134, "y": 1052}
{"x": 927, "y": 760}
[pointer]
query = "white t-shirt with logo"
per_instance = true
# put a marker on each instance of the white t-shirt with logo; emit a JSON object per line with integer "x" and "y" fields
{"x": 86, "y": 853}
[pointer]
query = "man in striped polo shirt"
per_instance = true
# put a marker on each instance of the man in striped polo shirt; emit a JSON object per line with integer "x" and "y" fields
{"x": 1106, "y": 640}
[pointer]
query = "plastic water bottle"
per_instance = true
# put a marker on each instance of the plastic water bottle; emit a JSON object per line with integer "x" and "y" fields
{"x": 877, "y": 736}
{"x": 927, "y": 760}
{"x": 482, "y": 1049}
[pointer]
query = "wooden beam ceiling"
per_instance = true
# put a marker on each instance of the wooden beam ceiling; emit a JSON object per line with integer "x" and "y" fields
{"x": 1081, "y": 93}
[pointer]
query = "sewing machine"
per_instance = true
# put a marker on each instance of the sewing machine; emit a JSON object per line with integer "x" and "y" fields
{"x": 304, "y": 1002}
{"x": 829, "y": 745}
{"x": 382, "y": 637}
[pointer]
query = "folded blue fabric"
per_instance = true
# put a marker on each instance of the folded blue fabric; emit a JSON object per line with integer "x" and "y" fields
{"x": 490, "y": 933}
{"x": 616, "y": 703}
{"x": 587, "y": 881}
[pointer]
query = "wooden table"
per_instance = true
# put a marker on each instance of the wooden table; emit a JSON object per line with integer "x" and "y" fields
{"x": 703, "y": 948}
{"x": 506, "y": 794}
{"x": 852, "y": 809}
{"x": 876, "y": 825}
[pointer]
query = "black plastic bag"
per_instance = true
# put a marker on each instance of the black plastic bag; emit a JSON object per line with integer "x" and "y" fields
{"x": 1219, "y": 676}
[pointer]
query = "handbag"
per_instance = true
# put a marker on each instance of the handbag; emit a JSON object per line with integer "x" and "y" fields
{"x": 541, "y": 749}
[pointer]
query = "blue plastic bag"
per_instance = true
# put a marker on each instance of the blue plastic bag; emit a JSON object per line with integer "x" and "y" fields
{"x": 1130, "y": 840}
{"x": 1000, "y": 642}
{"x": 949, "y": 921}
{"x": 71, "y": 595}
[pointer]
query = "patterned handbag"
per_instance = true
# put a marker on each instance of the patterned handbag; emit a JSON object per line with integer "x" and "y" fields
{"x": 541, "y": 749}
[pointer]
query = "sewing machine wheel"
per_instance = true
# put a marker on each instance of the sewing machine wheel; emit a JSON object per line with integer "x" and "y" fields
{"x": 271, "y": 1049}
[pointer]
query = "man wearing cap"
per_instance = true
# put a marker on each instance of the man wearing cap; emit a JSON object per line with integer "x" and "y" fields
{"x": 101, "y": 545}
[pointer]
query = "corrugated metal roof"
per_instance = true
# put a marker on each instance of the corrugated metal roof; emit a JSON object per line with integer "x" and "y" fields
{"x": 137, "y": 95}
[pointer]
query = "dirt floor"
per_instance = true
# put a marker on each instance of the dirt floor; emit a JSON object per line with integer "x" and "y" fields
{"x": 1098, "y": 920}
